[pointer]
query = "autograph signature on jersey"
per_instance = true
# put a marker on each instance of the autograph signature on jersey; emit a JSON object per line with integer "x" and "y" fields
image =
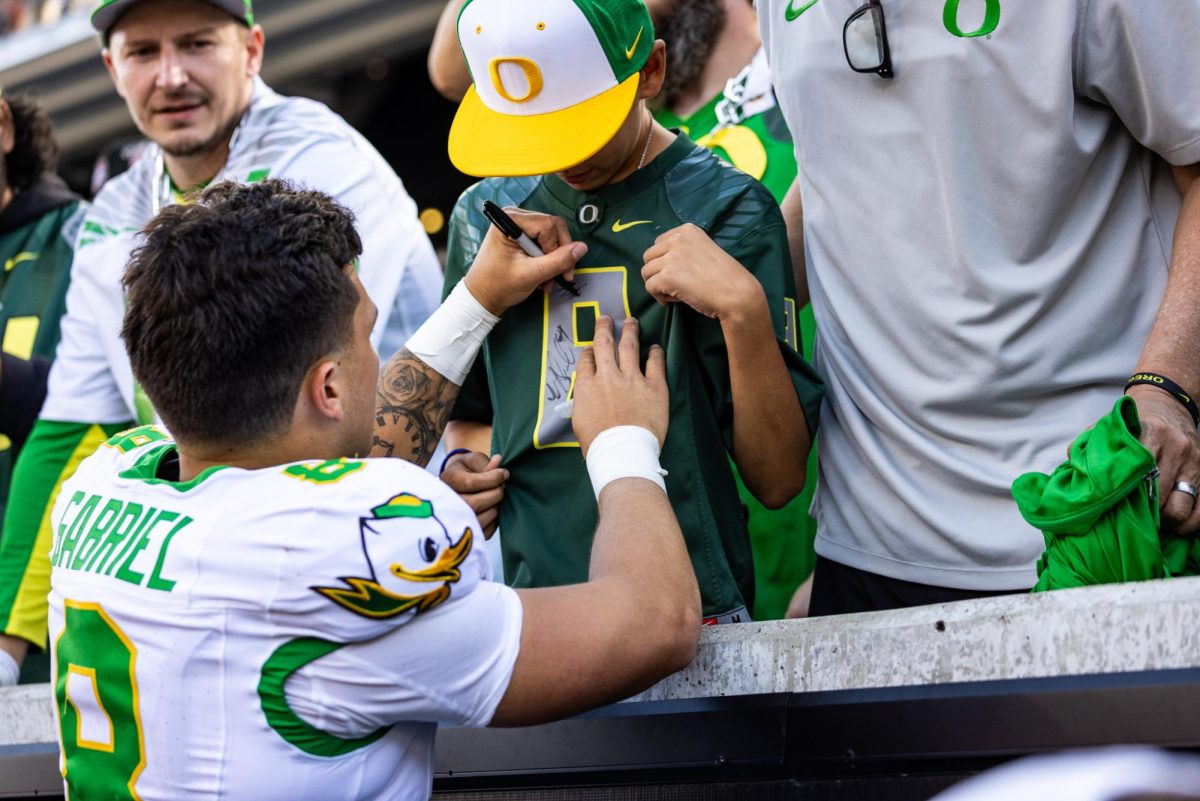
{"x": 404, "y": 528}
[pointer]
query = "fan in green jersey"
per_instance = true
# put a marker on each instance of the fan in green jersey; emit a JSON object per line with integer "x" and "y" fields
{"x": 693, "y": 249}
{"x": 39, "y": 216}
{"x": 717, "y": 91}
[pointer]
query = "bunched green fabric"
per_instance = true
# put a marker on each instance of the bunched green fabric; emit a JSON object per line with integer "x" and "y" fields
{"x": 1099, "y": 511}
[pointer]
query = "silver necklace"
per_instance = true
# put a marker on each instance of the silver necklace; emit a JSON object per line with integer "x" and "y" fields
{"x": 646, "y": 149}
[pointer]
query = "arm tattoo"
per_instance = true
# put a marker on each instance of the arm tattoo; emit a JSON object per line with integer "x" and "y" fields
{"x": 412, "y": 406}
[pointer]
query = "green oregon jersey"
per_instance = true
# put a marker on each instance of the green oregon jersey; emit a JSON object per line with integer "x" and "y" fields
{"x": 37, "y": 267}
{"x": 526, "y": 370}
{"x": 37, "y": 245}
{"x": 36, "y": 257}
{"x": 760, "y": 145}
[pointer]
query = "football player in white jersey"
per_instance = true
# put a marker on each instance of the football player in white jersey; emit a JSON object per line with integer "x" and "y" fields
{"x": 252, "y": 611}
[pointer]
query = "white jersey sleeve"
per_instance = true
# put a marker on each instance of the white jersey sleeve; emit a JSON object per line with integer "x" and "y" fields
{"x": 90, "y": 380}
{"x": 449, "y": 665}
{"x": 370, "y": 545}
{"x": 398, "y": 267}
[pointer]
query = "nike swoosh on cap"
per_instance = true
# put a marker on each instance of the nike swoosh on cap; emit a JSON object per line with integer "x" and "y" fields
{"x": 638, "y": 38}
{"x": 618, "y": 226}
{"x": 791, "y": 12}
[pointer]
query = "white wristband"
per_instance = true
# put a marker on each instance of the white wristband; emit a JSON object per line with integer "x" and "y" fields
{"x": 624, "y": 452}
{"x": 10, "y": 671}
{"x": 451, "y": 338}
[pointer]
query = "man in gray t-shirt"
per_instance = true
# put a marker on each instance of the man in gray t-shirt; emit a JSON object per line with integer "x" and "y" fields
{"x": 998, "y": 236}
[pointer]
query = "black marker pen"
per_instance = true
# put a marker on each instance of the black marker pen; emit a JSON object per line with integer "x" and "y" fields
{"x": 509, "y": 228}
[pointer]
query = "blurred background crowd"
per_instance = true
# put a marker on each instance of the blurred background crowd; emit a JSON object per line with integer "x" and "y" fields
{"x": 366, "y": 61}
{"x": 21, "y": 14}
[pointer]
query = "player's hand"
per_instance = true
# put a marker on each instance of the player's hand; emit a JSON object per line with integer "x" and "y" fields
{"x": 480, "y": 482}
{"x": 684, "y": 265}
{"x": 503, "y": 275}
{"x": 1168, "y": 433}
{"x": 611, "y": 390}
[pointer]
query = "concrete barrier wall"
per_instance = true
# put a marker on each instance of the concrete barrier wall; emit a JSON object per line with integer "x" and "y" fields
{"x": 1113, "y": 629}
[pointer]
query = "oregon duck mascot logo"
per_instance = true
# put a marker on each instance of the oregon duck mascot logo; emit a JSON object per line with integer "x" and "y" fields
{"x": 404, "y": 528}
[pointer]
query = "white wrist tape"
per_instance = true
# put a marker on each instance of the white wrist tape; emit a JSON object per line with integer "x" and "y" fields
{"x": 451, "y": 338}
{"x": 10, "y": 671}
{"x": 624, "y": 452}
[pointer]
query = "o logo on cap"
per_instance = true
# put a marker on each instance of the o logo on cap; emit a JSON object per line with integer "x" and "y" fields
{"x": 533, "y": 78}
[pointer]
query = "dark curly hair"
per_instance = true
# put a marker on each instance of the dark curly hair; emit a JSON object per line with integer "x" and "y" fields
{"x": 35, "y": 150}
{"x": 231, "y": 299}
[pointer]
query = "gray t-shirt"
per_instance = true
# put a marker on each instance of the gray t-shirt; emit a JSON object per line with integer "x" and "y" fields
{"x": 987, "y": 237}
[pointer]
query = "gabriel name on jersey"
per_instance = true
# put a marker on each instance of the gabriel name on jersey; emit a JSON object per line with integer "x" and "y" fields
{"x": 290, "y": 631}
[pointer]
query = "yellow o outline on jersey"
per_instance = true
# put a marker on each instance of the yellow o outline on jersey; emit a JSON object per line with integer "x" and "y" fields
{"x": 533, "y": 77}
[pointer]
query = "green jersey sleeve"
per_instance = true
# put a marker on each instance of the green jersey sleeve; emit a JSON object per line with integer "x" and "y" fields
{"x": 49, "y": 458}
{"x": 752, "y": 231}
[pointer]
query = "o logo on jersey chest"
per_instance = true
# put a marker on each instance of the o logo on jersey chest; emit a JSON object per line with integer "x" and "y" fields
{"x": 528, "y": 69}
{"x": 588, "y": 214}
{"x": 991, "y": 19}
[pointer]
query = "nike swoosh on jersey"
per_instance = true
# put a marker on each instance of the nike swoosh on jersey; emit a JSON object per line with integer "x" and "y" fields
{"x": 791, "y": 12}
{"x": 638, "y": 38}
{"x": 619, "y": 226}
{"x": 17, "y": 259}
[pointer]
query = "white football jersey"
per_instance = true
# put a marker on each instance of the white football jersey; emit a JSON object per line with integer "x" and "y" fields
{"x": 291, "y": 632}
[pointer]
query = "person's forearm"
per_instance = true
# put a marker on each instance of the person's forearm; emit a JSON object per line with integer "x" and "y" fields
{"x": 638, "y": 544}
{"x": 792, "y": 209}
{"x": 1173, "y": 348}
{"x": 420, "y": 382}
{"x": 412, "y": 406}
{"x": 770, "y": 436}
{"x": 447, "y": 68}
{"x": 636, "y": 620}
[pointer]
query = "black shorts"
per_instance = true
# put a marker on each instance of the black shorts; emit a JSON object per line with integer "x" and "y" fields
{"x": 839, "y": 590}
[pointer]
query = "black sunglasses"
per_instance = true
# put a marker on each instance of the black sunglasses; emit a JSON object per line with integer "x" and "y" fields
{"x": 864, "y": 38}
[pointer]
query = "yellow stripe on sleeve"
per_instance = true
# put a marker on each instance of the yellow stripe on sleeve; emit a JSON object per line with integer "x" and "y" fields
{"x": 29, "y": 611}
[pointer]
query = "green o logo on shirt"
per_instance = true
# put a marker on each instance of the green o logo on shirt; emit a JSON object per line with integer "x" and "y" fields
{"x": 991, "y": 18}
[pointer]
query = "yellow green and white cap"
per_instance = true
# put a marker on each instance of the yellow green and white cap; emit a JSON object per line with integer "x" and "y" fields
{"x": 554, "y": 80}
{"x": 107, "y": 12}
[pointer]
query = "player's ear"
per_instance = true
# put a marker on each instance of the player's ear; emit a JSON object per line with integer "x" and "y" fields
{"x": 654, "y": 72}
{"x": 325, "y": 392}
